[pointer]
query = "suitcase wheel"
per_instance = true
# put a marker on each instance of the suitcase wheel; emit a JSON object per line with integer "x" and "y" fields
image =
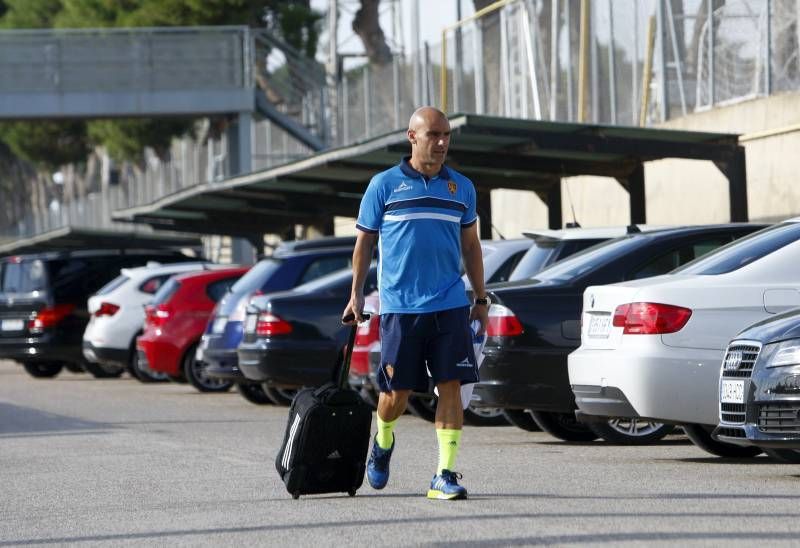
{"x": 296, "y": 495}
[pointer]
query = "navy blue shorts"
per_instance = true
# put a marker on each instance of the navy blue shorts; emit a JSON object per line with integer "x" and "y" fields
{"x": 442, "y": 341}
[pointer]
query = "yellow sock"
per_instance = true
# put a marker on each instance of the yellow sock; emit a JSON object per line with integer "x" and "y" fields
{"x": 449, "y": 441}
{"x": 385, "y": 437}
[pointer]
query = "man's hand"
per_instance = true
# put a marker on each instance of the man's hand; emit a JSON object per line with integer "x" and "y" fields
{"x": 480, "y": 312}
{"x": 354, "y": 308}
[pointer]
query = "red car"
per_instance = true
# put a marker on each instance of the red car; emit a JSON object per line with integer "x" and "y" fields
{"x": 176, "y": 319}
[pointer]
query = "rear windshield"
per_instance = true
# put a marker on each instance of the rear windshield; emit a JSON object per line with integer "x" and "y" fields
{"x": 743, "y": 251}
{"x": 588, "y": 259}
{"x": 534, "y": 259}
{"x": 23, "y": 277}
{"x": 166, "y": 292}
{"x": 112, "y": 285}
{"x": 256, "y": 276}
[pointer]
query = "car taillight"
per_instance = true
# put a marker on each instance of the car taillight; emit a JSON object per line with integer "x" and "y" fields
{"x": 157, "y": 315}
{"x": 367, "y": 336}
{"x": 503, "y": 322}
{"x": 269, "y": 324}
{"x": 106, "y": 309}
{"x": 650, "y": 318}
{"x": 49, "y": 317}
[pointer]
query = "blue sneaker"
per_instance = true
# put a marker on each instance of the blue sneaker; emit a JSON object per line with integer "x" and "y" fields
{"x": 445, "y": 487}
{"x": 378, "y": 465}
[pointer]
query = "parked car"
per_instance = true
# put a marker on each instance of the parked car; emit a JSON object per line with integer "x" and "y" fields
{"x": 292, "y": 264}
{"x": 535, "y": 323}
{"x": 175, "y": 321}
{"x": 117, "y": 316}
{"x": 652, "y": 348}
{"x": 296, "y": 338}
{"x": 759, "y": 388}
{"x": 43, "y": 310}
{"x": 500, "y": 258}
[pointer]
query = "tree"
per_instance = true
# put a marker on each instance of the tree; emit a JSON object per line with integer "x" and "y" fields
{"x": 366, "y": 24}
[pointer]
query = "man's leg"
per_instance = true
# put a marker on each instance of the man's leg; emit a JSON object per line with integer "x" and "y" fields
{"x": 391, "y": 405}
{"x": 449, "y": 421}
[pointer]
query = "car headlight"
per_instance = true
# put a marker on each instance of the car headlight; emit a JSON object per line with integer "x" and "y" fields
{"x": 785, "y": 353}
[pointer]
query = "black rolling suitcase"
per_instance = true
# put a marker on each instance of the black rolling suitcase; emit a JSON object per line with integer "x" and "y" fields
{"x": 325, "y": 446}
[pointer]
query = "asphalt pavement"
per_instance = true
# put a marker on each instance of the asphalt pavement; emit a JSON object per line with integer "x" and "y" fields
{"x": 116, "y": 462}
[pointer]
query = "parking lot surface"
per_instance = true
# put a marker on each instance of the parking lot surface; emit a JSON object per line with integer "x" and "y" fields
{"x": 87, "y": 461}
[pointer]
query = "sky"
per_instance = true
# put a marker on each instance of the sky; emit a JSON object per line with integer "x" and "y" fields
{"x": 434, "y": 14}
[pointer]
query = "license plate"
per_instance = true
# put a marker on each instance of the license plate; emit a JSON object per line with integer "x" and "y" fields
{"x": 250, "y": 323}
{"x": 599, "y": 325}
{"x": 219, "y": 325}
{"x": 731, "y": 392}
{"x": 12, "y": 325}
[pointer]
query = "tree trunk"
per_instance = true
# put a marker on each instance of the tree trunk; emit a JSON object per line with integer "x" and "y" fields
{"x": 366, "y": 24}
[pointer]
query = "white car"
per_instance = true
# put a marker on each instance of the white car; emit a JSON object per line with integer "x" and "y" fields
{"x": 652, "y": 348}
{"x": 117, "y": 315}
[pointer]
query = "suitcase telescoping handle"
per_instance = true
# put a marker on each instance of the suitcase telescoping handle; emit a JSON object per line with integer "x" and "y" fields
{"x": 344, "y": 370}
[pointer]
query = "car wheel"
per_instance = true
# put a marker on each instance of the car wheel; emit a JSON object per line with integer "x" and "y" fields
{"x": 279, "y": 396}
{"x": 253, "y": 393}
{"x": 484, "y": 416}
{"x": 521, "y": 418}
{"x": 74, "y": 367}
{"x": 195, "y": 372}
{"x": 786, "y": 456}
{"x": 631, "y": 431}
{"x": 141, "y": 371}
{"x": 43, "y": 370}
{"x": 701, "y": 436}
{"x": 99, "y": 371}
{"x": 563, "y": 426}
{"x": 423, "y": 407}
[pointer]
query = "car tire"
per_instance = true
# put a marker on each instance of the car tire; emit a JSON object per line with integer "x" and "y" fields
{"x": 43, "y": 370}
{"x": 253, "y": 393}
{"x": 423, "y": 407}
{"x": 701, "y": 436}
{"x": 279, "y": 396}
{"x": 563, "y": 426}
{"x": 141, "y": 372}
{"x": 521, "y": 418}
{"x": 484, "y": 416}
{"x": 194, "y": 371}
{"x": 631, "y": 431}
{"x": 785, "y": 456}
{"x": 99, "y": 371}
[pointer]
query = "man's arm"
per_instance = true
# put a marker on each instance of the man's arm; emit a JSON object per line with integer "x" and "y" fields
{"x": 473, "y": 264}
{"x": 362, "y": 257}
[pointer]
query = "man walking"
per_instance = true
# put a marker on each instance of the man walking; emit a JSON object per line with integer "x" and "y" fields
{"x": 423, "y": 215}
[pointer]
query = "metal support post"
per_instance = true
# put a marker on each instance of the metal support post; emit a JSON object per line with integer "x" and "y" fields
{"x": 528, "y": 38}
{"x": 459, "y": 62}
{"x": 636, "y": 195}
{"x": 396, "y": 89}
{"x": 612, "y": 65}
{"x": 554, "y": 215}
{"x": 477, "y": 54}
{"x": 367, "y": 101}
{"x": 416, "y": 51}
{"x": 554, "y": 68}
{"x": 570, "y": 91}
{"x": 583, "y": 61}
{"x": 240, "y": 153}
{"x": 768, "y": 48}
{"x": 663, "y": 92}
{"x": 676, "y": 53}
{"x": 710, "y": 38}
{"x": 635, "y": 66}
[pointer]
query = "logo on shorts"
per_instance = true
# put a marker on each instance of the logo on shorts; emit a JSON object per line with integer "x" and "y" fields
{"x": 451, "y": 186}
{"x": 403, "y": 186}
{"x": 464, "y": 363}
{"x": 389, "y": 370}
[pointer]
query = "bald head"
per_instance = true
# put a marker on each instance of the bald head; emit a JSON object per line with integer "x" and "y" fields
{"x": 429, "y": 135}
{"x": 424, "y": 117}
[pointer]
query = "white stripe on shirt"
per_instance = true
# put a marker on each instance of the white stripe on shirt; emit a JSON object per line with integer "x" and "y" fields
{"x": 424, "y": 215}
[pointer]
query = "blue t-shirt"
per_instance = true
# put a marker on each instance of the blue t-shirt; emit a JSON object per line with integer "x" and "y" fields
{"x": 419, "y": 225}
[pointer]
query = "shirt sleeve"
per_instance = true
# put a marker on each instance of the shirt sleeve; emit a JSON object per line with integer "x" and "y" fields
{"x": 470, "y": 215}
{"x": 370, "y": 213}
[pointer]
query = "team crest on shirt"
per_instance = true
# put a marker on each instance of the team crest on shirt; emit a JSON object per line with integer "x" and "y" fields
{"x": 451, "y": 186}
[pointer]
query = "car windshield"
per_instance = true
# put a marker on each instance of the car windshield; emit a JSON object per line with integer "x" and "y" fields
{"x": 588, "y": 260}
{"x": 743, "y": 251}
{"x": 23, "y": 276}
{"x": 329, "y": 280}
{"x": 256, "y": 276}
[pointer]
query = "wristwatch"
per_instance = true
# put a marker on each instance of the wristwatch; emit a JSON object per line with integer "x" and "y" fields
{"x": 486, "y": 301}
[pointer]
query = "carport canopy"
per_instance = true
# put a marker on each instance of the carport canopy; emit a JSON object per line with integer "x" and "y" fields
{"x": 493, "y": 152}
{"x": 71, "y": 238}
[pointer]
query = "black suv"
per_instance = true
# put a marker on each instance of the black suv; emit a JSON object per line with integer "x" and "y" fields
{"x": 43, "y": 304}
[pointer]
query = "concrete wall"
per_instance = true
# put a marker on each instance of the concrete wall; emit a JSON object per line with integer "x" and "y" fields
{"x": 685, "y": 191}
